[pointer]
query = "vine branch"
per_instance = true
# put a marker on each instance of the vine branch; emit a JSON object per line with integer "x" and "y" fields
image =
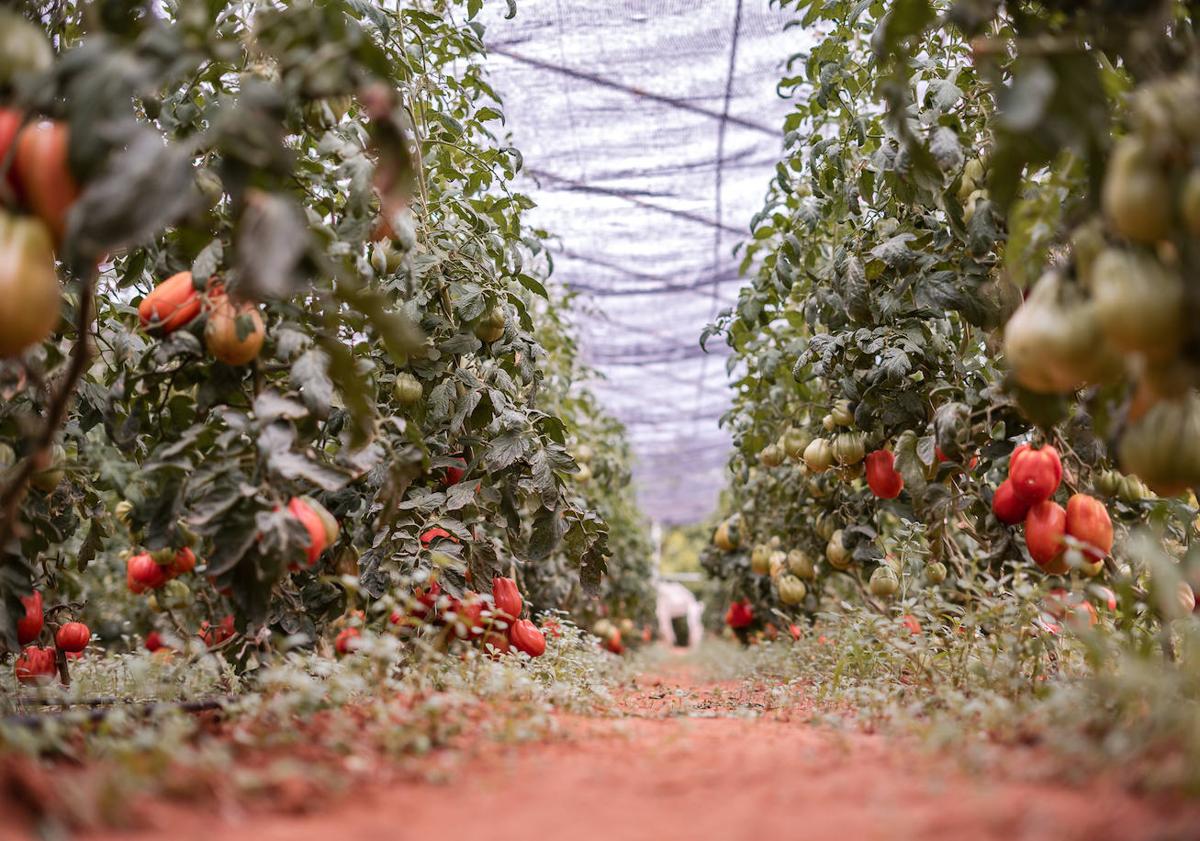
{"x": 12, "y": 495}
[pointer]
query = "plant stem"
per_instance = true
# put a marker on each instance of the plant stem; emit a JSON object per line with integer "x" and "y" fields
{"x": 81, "y": 354}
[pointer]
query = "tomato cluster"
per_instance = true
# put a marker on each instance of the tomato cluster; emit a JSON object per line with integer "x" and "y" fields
{"x": 150, "y": 571}
{"x": 38, "y": 664}
{"x": 234, "y": 331}
{"x": 40, "y": 183}
{"x": 493, "y": 622}
{"x": 1034, "y": 476}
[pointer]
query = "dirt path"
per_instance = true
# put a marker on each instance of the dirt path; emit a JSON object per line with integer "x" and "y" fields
{"x": 694, "y": 760}
{"x": 699, "y": 761}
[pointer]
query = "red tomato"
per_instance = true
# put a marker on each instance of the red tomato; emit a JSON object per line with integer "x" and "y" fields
{"x": 185, "y": 561}
{"x": 217, "y": 634}
{"x": 29, "y": 627}
{"x": 143, "y": 573}
{"x": 1083, "y": 613}
{"x": 552, "y": 628}
{"x": 313, "y": 524}
{"x": 35, "y": 665}
{"x": 454, "y": 474}
{"x": 1109, "y": 597}
{"x": 739, "y": 615}
{"x": 507, "y": 598}
{"x": 1007, "y": 506}
{"x": 910, "y": 622}
{"x": 426, "y": 600}
{"x": 525, "y": 636}
{"x": 469, "y": 620}
{"x": 348, "y": 640}
{"x": 613, "y": 643}
{"x": 154, "y": 641}
{"x": 436, "y": 533}
{"x": 170, "y": 305}
{"x": 43, "y": 174}
{"x": 795, "y": 631}
{"x": 73, "y": 637}
{"x": 941, "y": 457}
{"x": 10, "y": 124}
{"x": 497, "y": 641}
{"x": 883, "y": 479}
{"x": 1044, "y": 529}
{"x": 1035, "y": 474}
{"x": 1088, "y": 522}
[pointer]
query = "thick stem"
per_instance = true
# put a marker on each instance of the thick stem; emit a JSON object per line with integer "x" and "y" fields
{"x": 81, "y": 355}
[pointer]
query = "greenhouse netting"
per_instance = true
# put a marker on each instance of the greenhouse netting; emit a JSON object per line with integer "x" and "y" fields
{"x": 650, "y": 133}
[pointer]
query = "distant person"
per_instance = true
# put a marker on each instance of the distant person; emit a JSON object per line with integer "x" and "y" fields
{"x": 679, "y": 615}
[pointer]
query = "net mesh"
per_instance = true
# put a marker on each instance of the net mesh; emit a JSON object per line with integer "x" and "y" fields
{"x": 650, "y": 131}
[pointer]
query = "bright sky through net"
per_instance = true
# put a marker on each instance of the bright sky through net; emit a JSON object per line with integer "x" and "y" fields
{"x": 650, "y": 131}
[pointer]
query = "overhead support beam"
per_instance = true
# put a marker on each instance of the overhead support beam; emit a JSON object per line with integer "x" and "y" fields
{"x": 624, "y": 195}
{"x": 673, "y": 102}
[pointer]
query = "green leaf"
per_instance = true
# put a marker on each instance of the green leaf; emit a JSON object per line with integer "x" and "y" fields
{"x": 505, "y": 449}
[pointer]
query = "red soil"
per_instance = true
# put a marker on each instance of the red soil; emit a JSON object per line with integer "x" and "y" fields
{"x": 700, "y": 761}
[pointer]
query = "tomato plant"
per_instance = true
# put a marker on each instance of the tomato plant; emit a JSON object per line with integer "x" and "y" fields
{"x": 278, "y": 324}
{"x": 984, "y": 289}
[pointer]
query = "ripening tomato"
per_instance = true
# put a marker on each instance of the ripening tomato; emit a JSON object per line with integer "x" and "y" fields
{"x": 942, "y": 457}
{"x": 1071, "y": 607}
{"x": 29, "y": 626}
{"x": 882, "y": 477}
{"x": 1109, "y": 597}
{"x": 313, "y": 524}
{"x": 216, "y": 634}
{"x": 739, "y": 615}
{"x": 348, "y": 640}
{"x": 454, "y": 473}
{"x": 43, "y": 174}
{"x": 234, "y": 333}
{"x": 436, "y": 533}
{"x": 496, "y": 640}
{"x": 426, "y": 600}
{"x": 1088, "y": 522}
{"x": 1007, "y": 506}
{"x": 73, "y": 637}
{"x": 613, "y": 643}
{"x": 35, "y": 665}
{"x": 328, "y": 522}
{"x": 507, "y": 598}
{"x": 170, "y": 305}
{"x": 795, "y": 631}
{"x": 143, "y": 573}
{"x": 1045, "y": 526}
{"x": 10, "y": 124}
{"x": 1084, "y": 613}
{"x": 525, "y": 636}
{"x": 1035, "y": 474}
{"x": 469, "y": 621}
{"x": 911, "y": 624}
{"x": 185, "y": 561}
{"x": 30, "y": 294}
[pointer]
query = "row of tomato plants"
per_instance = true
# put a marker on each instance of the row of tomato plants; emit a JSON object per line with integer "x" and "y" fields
{"x": 964, "y": 359}
{"x": 280, "y": 353}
